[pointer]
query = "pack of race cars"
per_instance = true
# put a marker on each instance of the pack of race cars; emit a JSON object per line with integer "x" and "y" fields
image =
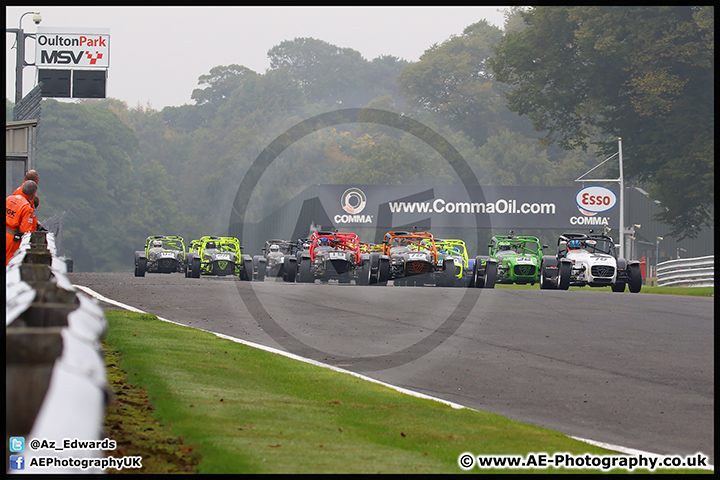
{"x": 403, "y": 258}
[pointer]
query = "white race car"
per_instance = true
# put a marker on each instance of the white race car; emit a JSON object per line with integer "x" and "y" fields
{"x": 589, "y": 259}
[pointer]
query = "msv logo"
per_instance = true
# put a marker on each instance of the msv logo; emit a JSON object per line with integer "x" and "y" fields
{"x": 353, "y": 201}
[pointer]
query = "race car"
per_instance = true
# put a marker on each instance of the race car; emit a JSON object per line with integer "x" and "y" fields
{"x": 518, "y": 258}
{"x": 414, "y": 259}
{"x": 589, "y": 259}
{"x": 221, "y": 256}
{"x": 162, "y": 254}
{"x": 455, "y": 250}
{"x": 272, "y": 262}
{"x": 331, "y": 255}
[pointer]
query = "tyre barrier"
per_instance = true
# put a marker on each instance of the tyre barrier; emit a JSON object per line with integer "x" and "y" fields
{"x": 56, "y": 381}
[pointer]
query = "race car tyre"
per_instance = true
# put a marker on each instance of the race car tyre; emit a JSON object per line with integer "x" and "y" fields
{"x": 246, "y": 272}
{"x": 364, "y": 273}
{"x": 446, "y": 277}
{"x": 260, "y": 265}
{"x": 635, "y": 283}
{"x": 478, "y": 281}
{"x": 304, "y": 273}
{"x": 195, "y": 267}
{"x": 490, "y": 275}
{"x": 258, "y": 268}
{"x": 290, "y": 269}
{"x": 618, "y": 287}
{"x": 140, "y": 267}
{"x": 383, "y": 271}
{"x": 564, "y": 271}
{"x": 545, "y": 283}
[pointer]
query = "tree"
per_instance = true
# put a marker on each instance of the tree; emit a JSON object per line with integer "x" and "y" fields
{"x": 221, "y": 82}
{"x": 452, "y": 79}
{"x": 641, "y": 73}
{"x": 325, "y": 72}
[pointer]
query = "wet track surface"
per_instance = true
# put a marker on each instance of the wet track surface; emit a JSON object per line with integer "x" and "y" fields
{"x": 628, "y": 369}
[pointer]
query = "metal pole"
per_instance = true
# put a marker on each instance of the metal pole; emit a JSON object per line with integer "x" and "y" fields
{"x": 622, "y": 201}
{"x": 20, "y": 64}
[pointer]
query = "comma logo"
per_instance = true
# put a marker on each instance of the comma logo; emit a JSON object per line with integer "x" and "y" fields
{"x": 353, "y": 200}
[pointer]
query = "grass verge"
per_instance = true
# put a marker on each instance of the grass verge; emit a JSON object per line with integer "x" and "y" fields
{"x": 222, "y": 407}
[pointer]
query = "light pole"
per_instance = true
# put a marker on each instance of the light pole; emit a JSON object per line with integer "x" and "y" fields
{"x": 657, "y": 253}
{"x": 20, "y": 57}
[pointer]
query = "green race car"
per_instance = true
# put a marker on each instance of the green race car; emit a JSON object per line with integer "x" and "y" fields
{"x": 518, "y": 258}
{"x": 220, "y": 256}
{"x": 162, "y": 254}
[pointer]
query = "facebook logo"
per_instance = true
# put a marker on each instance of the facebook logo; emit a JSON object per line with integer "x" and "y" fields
{"x": 17, "y": 444}
{"x": 17, "y": 462}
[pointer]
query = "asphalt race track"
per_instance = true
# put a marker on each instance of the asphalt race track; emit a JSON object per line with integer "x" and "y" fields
{"x": 627, "y": 369}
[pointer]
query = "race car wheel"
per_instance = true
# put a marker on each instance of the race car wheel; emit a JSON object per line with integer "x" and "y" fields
{"x": 478, "y": 281}
{"x": 140, "y": 267}
{"x": 618, "y": 287}
{"x": 305, "y": 275}
{"x": 564, "y": 271}
{"x": 635, "y": 283}
{"x": 258, "y": 268}
{"x": 246, "y": 272}
{"x": 447, "y": 275}
{"x": 364, "y": 273}
{"x": 544, "y": 282}
{"x": 490, "y": 275}
{"x": 290, "y": 269}
{"x": 195, "y": 267}
{"x": 383, "y": 272}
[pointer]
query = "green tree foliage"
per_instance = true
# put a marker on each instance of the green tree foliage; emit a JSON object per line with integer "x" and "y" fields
{"x": 335, "y": 76}
{"x": 452, "y": 80}
{"x": 85, "y": 163}
{"x": 642, "y": 73}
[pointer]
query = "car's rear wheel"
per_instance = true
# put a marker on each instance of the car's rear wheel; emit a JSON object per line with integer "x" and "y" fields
{"x": 195, "y": 267}
{"x": 290, "y": 267}
{"x": 304, "y": 272}
{"x": 490, "y": 275}
{"x": 383, "y": 271}
{"x": 564, "y": 271}
{"x": 635, "y": 283}
{"x": 364, "y": 273}
{"x": 140, "y": 267}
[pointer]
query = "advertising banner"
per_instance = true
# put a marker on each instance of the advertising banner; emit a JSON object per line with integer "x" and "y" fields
{"x": 65, "y": 47}
{"x": 505, "y": 207}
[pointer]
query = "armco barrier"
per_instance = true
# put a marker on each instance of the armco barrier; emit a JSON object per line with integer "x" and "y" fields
{"x": 56, "y": 383}
{"x": 687, "y": 272}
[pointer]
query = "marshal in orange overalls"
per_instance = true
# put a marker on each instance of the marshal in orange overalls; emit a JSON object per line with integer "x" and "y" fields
{"x": 19, "y": 219}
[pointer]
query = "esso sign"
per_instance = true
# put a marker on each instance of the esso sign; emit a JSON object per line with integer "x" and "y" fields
{"x": 595, "y": 199}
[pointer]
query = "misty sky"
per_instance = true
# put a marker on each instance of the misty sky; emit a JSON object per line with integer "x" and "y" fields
{"x": 158, "y": 53}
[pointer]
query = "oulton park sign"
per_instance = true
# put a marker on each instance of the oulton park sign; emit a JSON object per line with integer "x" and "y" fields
{"x": 72, "y": 47}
